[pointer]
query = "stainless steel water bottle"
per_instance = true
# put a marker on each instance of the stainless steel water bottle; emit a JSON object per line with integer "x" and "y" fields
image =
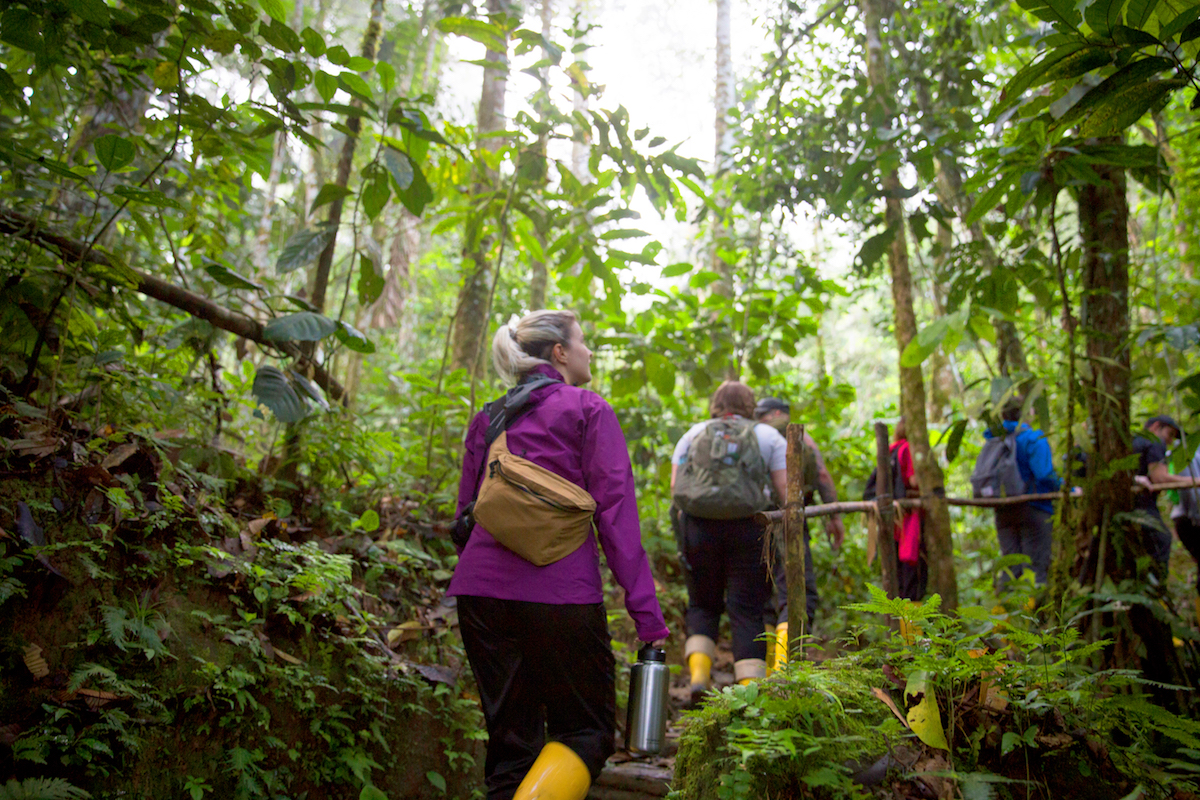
{"x": 646, "y": 718}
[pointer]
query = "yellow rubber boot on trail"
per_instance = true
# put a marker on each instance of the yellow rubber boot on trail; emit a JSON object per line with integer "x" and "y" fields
{"x": 749, "y": 670}
{"x": 557, "y": 774}
{"x": 769, "y": 630}
{"x": 698, "y": 653}
{"x": 781, "y": 645}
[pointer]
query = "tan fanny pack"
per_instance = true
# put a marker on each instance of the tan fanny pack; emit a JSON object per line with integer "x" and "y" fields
{"x": 540, "y": 516}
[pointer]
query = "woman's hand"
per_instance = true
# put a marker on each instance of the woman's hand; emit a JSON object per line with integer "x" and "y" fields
{"x": 660, "y": 644}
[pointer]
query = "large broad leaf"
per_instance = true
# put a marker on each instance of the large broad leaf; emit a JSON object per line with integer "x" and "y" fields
{"x": 353, "y": 338}
{"x": 1123, "y": 108}
{"x": 329, "y": 192}
{"x": 1138, "y": 12}
{"x": 303, "y": 326}
{"x": 113, "y": 152}
{"x": 1104, "y": 15}
{"x": 924, "y": 718}
{"x": 227, "y": 277}
{"x": 370, "y": 280}
{"x": 956, "y": 436}
{"x": 418, "y": 194}
{"x": 303, "y": 248}
{"x": 400, "y": 167}
{"x": 661, "y": 373}
{"x": 1062, "y": 14}
{"x": 272, "y": 388}
{"x": 1129, "y": 78}
{"x": 490, "y": 36}
{"x": 308, "y": 388}
{"x": 873, "y": 249}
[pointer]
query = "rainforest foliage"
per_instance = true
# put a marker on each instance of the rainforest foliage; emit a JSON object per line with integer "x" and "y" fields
{"x": 252, "y": 256}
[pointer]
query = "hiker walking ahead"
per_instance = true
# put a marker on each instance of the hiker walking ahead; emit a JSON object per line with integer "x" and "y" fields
{"x": 720, "y": 473}
{"x": 817, "y": 480}
{"x": 536, "y": 636}
{"x": 912, "y": 569}
{"x": 1019, "y": 463}
{"x": 1152, "y": 468}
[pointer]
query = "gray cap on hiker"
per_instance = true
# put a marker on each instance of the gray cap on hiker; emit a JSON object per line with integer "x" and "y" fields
{"x": 771, "y": 404}
{"x": 1163, "y": 419}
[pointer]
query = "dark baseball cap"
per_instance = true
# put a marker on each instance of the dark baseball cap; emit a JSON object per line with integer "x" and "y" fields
{"x": 771, "y": 404}
{"x": 1165, "y": 420}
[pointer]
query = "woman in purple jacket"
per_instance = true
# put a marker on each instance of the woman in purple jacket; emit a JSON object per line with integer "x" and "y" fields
{"x": 536, "y": 637}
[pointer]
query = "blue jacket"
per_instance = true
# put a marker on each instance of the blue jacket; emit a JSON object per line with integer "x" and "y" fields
{"x": 1034, "y": 461}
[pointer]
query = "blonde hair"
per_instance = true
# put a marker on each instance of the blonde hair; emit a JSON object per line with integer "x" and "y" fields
{"x": 518, "y": 348}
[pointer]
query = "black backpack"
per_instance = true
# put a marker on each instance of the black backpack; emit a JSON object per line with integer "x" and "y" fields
{"x": 899, "y": 489}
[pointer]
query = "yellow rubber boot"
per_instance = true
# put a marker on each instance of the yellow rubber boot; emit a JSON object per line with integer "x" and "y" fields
{"x": 700, "y": 665}
{"x": 781, "y": 645}
{"x": 770, "y": 631}
{"x": 557, "y": 774}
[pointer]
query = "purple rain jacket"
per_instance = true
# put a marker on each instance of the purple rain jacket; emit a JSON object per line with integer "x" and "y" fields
{"x": 575, "y": 434}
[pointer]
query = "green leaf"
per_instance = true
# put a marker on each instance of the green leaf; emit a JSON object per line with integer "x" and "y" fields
{"x": 227, "y": 277}
{"x": 371, "y": 793}
{"x": 1131, "y": 76}
{"x": 1123, "y": 108}
{"x": 399, "y": 165}
{"x": 1123, "y": 34}
{"x": 272, "y": 388}
{"x": 353, "y": 338}
{"x": 376, "y": 194}
{"x": 369, "y": 521}
{"x": 329, "y": 192}
{"x": 353, "y": 83}
{"x": 314, "y": 43}
{"x": 874, "y": 248}
{"x": 675, "y": 270}
{"x": 1063, "y": 14}
{"x": 1138, "y": 12}
{"x": 1009, "y": 742}
{"x": 337, "y": 55}
{"x": 90, "y": 10}
{"x": 490, "y": 36}
{"x": 988, "y": 200}
{"x": 303, "y": 247}
{"x": 370, "y": 281}
{"x": 1180, "y": 22}
{"x": 387, "y": 76}
{"x": 1075, "y": 64}
{"x": 21, "y": 28}
{"x": 113, "y": 152}
{"x": 302, "y": 326}
{"x": 956, "y": 436}
{"x": 326, "y": 85}
{"x": 275, "y": 9}
{"x": 418, "y": 194}
{"x": 149, "y": 197}
{"x": 661, "y": 373}
{"x": 622, "y": 233}
{"x": 437, "y": 780}
{"x": 1189, "y": 33}
{"x": 1104, "y": 15}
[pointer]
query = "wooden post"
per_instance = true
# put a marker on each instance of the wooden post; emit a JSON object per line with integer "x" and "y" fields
{"x": 888, "y": 565}
{"x": 793, "y": 536}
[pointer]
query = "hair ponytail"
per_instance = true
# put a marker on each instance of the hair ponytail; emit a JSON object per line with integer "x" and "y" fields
{"x": 519, "y": 347}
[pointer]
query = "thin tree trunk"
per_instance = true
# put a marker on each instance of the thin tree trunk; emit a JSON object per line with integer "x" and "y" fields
{"x": 723, "y": 144}
{"x": 580, "y": 146}
{"x": 939, "y": 544}
{"x": 538, "y": 274}
{"x": 470, "y": 321}
{"x": 370, "y": 44}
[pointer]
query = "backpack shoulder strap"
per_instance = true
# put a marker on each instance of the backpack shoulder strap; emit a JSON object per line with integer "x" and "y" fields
{"x": 503, "y": 412}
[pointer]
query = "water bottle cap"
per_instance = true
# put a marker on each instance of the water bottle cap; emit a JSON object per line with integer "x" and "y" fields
{"x": 651, "y": 653}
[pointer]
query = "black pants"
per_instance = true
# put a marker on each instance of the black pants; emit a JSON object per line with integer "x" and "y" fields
{"x": 913, "y": 578}
{"x": 542, "y": 669}
{"x": 726, "y": 571}
{"x": 776, "y": 610}
{"x": 1029, "y": 531}
{"x": 1189, "y": 536}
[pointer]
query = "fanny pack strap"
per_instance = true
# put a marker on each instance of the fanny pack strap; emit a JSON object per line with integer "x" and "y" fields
{"x": 503, "y": 412}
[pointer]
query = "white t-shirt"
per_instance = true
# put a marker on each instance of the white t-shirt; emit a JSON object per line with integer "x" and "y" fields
{"x": 771, "y": 444}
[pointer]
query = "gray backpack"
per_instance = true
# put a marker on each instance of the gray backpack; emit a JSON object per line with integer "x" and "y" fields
{"x": 725, "y": 476}
{"x": 997, "y": 473}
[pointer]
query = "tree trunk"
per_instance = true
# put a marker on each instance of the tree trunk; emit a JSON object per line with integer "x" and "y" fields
{"x": 939, "y": 544}
{"x": 470, "y": 320}
{"x": 538, "y": 273}
{"x": 723, "y": 101}
{"x": 370, "y": 44}
{"x": 580, "y": 146}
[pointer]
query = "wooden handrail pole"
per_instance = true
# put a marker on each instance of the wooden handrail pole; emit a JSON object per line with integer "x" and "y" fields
{"x": 885, "y": 545}
{"x": 793, "y": 536}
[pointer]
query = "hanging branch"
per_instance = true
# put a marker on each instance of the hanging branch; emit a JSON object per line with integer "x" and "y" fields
{"x": 72, "y": 251}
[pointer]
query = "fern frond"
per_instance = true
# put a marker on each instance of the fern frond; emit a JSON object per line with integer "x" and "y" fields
{"x": 41, "y": 789}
